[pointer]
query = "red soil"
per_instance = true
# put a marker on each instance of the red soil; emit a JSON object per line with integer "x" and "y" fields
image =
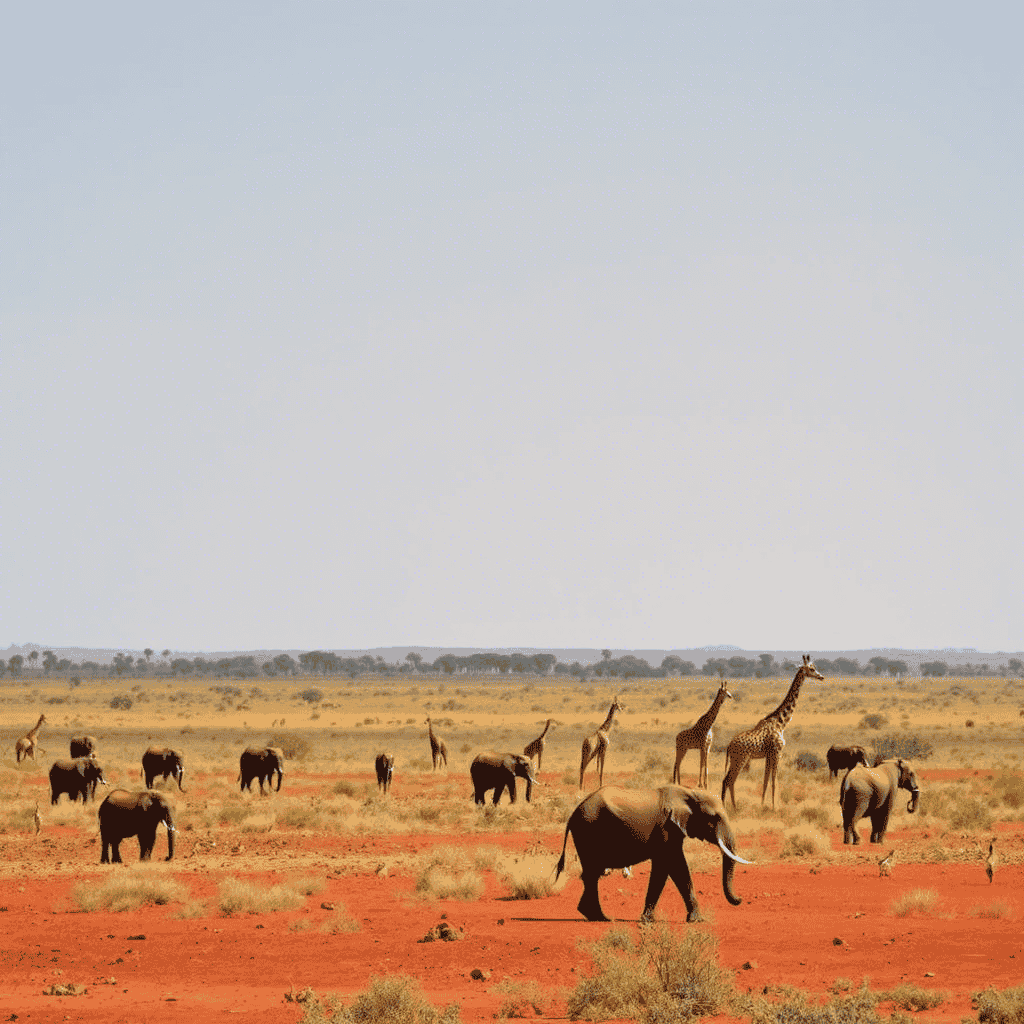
{"x": 202, "y": 969}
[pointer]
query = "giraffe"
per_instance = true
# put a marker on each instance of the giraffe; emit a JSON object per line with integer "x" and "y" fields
{"x": 991, "y": 860}
{"x": 26, "y": 745}
{"x": 765, "y": 739}
{"x": 698, "y": 737}
{"x": 535, "y": 749}
{"x": 596, "y": 744}
{"x": 438, "y": 750}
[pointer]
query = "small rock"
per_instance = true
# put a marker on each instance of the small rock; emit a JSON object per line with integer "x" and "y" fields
{"x": 135, "y": 938}
{"x": 501, "y": 920}
{"x": 837, "y": 942}
{"x": 929, "y": 974}
{"x": 750, "y": 965}
{"x": 477, "y": 975}
{"x": 326, "y": 906}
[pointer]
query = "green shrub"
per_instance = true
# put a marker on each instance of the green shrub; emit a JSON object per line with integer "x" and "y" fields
{"x": 904, "y": 745}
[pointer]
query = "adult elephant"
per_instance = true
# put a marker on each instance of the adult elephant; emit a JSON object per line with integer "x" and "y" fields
{"x": 77, "y": 777}
{"x": 164, "y": 762}
{"x": 844, "y": 758}
{"x": 616, "y": 828}
{"x": 871, "y": 792}
{"x": 83, "y": 746}
{"x": 385, "y": 765}
{"x": 499, "y": 772}
{"x": 261, "y": 763}
{"x": 125, "y": 814}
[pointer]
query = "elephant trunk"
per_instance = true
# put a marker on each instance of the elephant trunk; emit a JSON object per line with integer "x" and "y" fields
{"x": 912, "y": 805}
{"x": 727, "y": 841}
{"x": 170, "y": 837}
{"x": 181, "y": 775}
{"x": 280, "y": 776}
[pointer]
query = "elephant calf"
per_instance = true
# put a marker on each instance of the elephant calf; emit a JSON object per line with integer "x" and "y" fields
{"x": 871, "y": 793}
{"x": 499, "y": 772}
{"x": 616, "y": 828}
{"x": 83, "y": 746}
{"x": 125, "y": 814}
{"x": 385, "y": 765}
{"x": 77, "y": 778}
{"x": 261, "y": 763}
{"x": 843, "y": 758}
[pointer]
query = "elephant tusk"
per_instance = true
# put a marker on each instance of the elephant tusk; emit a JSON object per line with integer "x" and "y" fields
{"x": 725, "y": 849}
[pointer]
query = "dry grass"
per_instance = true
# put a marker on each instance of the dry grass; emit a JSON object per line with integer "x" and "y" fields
{"x": 521, "y": 999}
{"x": 235, "y": 896}
{"x": 997, "y": 910}
{"x": 660, "y": 976}
{"x": 804, "y": 841}
{"x": 128, "y": 890}
{"x": 1006, "y": 1007}
{"x": 395, "y": 999}
{"x": 916, "y": 901}
{"x": 445, "y": 874}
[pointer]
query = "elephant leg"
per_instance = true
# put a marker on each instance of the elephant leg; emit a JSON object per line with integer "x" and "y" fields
{"x": 146, "y": 843}
{"x": 115, "y": 851}
{"x": 679, "y": 872}
{"x": 590, "y": 903}
{"x": 659, "y": 875}
{"x": 105, "y": 855}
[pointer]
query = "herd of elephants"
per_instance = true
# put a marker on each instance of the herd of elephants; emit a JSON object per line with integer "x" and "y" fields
{"x": 612, "y": 828}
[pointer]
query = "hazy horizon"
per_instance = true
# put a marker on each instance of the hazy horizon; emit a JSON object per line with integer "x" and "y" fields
{"x": 600, "y": 326}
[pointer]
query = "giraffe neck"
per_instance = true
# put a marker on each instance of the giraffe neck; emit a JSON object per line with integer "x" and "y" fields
{"x": 607, "y": 723}
{"x": 547, "y": 726}
{"x": 784, "y": 712}
{"x": 707, "y": 719}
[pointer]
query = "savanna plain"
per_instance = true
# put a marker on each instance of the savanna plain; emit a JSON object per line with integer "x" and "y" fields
{"x": 331, "y": 900}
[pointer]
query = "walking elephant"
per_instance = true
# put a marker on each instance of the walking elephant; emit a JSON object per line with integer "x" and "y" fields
{"x": 77, "y": 778}
{"x": 499, "y": 772}
{"x": 616, "y": 828}
{"x": 871, "y": 792}
{"x": 843, "y": 758}
{"x": 261, "y": 763}
{"x": 83, "y": 746}
{"x": 164, "y": 762}
{"x": 125, "y": 814}
{"x": 385, "y": 765}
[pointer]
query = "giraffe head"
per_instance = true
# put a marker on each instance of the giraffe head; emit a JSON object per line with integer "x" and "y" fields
{"x": 722, "y": 690}
{"x": 808, "y": 669}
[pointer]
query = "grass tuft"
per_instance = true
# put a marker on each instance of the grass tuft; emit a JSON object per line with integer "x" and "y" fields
{"x": 129, "y": 890}
{"x": 916, "y": 901}
{"x": 1006, "y": 1007}
{"x": 235, "y": 896}
{"x": 446, "y": 875}
{"x": 395, "y": 999}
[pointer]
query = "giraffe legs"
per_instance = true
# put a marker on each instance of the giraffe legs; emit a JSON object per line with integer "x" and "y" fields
{"x": 771, "y": 767}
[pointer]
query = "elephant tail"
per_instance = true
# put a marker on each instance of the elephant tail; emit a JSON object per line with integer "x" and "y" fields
{"x": 560, "y": 866}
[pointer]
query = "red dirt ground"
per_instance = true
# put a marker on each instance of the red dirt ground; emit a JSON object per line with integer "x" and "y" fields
{"x": 205, "y": 969}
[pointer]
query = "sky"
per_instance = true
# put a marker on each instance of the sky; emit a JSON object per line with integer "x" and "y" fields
{"x": 547, "y": 325}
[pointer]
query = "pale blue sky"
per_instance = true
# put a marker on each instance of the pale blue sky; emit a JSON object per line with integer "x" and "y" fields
{"x": 550, "y": 325}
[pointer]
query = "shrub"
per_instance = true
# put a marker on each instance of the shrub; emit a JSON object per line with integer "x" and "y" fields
{"x": 395, "y": 999}
{"x": 809, "y": 762}
{"x": 311, "y": 696}
{"x": 293, "y": 746}
{"x": 970, "y": 814}
{"x": 522, "y": 999}
{"x": 804, "y": 841}
{"x": 1006, "y": 1007}
{"x": 998, "y": 909}
{"x": 901, "y": 745}
{"x": 660, "y": 978}
{"x": 122, "y": 702}
{"x": 128, "y": 890}
{"x": 528, "y": 877}
{"x": 873, "y": 722}
{"x": 921, "y": 901}
{"x": 799, "y": 1008}
{"x": 446, "y": 875}
{"x": 345, "y": 788}
{"x": 913, "y": 997}
{"x": 1010, "y": 789}
{"x": 339, "y": 921}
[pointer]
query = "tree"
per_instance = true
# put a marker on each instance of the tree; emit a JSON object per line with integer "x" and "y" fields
{"x": 934, "y": 668}
{"x": 606, "y": 654}
{"x": 181, "y": 666}
{"x": 880, "y": 664}
{"x": 285, "y": 664}
{"x": 148, "y": 652}
{"x": 165, "y": 653}
{"x": 49, "y": 661}
{"x": 415, "y": 660}
{"x": 1016, "y": 665}
{"x": 544, "y": 663}
{"x": 15, "y": 664}
{"x": 33, "y": 657}
{"x": 768, "y": 665}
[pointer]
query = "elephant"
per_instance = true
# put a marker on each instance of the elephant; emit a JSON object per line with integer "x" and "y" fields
{"x": 839, "y": 758}
{"x": 261, "y": 763}
{"x": 616, "y": 828}
{"x": 125, "y": 814}
{"x": 164, "y": 762}
{"x": 871, "y": 792}
{"x": 83, "y": 746}
{"x": 499, "y": 772}
{"x": 77, "y": 778}
{"x": 385, "y": 765}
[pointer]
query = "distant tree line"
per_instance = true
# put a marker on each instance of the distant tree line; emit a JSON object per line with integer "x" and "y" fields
{"x": 627, "y": 666}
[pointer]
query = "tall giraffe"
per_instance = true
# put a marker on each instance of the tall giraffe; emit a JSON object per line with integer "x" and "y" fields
{"x": 438, "y": 749}
{"x": 535, "y": 749}
{"x": 596, "y": 744}
{"x": 698, "y": 737}
{"x": 765, "y": 739}
{"x": 26, "y": 745}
